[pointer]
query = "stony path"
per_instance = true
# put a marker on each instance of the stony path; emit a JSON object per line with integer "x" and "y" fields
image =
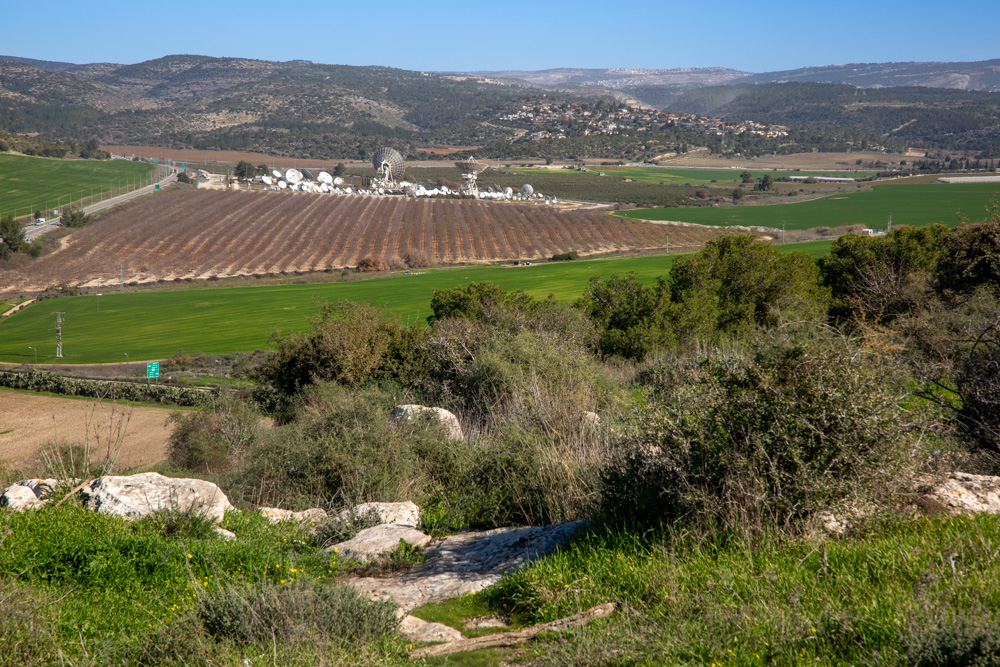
{"x": 465, "y": 563}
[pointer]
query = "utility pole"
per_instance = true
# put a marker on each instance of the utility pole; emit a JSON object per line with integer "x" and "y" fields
{"x": 59, "y": 317}
{"x": 782, "y": 232}
{"x": 121, "y": 276}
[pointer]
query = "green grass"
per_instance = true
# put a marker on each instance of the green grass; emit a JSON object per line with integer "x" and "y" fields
{"x": 94, "y": 589}
{"x": 779, "y": 601}
{"x": 154, "y": 325}
{"x": 914, "y": 205}
{"x": 36, "y": 183}
{"x": 675, "y": 175}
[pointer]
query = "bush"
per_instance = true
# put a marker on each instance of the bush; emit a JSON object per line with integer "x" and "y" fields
{"x": 748, "y": 444}
{"x": 417, "y": 259}
{"x": 632, "y": 319}
{"x": 372, "y": 263}
{"x": 968, "y": 638}
{"x": 565, "y": 256}
{"x": 36, "y": 380}
{"x": 303, "y": 609}
{"x": 209, "y": 442}
{"x": 341, "y": 449}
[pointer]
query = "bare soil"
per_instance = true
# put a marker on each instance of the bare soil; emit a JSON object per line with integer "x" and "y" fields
{"x": 31, "y": 423}
{"x": 807, "y": 161}
{"x": 187, "y": 234}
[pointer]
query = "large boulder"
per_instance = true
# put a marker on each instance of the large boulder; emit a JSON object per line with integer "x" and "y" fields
{"x": 960, "y": 493}
{"x": 378, "y": 540}
{"x": 447, "y": 419}
{"x": 136, "y": 496}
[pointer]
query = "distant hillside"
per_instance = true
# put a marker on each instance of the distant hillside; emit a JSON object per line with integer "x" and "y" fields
{"x": 983, "y": 75}
{"x": 933, "y": 117}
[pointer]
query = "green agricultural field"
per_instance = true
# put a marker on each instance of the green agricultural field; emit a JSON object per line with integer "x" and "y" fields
{"x": 219, "y": 320}
{"x": 680, "y": 175}
{"x": 38, "y": 183}
{"x": 915, "y": 205}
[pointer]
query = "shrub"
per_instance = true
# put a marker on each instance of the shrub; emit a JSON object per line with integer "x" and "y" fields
{"x": 303, "y": 609}
{"x": 565, "y": 256}
{"x": 967, "y": 638}
{"x": 342, "y": 448}
{"x": 372, "y": 263}
{"x": 631, "y": 318}
{"x": 762, "y": 442}
{"x": 417, "y": 259}
{"x": 209, "y": 442}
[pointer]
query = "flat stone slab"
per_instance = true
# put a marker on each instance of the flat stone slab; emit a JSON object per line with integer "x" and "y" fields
{"x": 465, "y": 563}
{"x": 962, "y": 493}
{"x": 401, "y": 514}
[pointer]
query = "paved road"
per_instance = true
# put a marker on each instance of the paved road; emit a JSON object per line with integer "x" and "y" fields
{"x": 34, "y": 231}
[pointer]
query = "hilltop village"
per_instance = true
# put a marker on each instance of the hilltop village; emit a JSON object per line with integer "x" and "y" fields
{"x": 554, "y": 120}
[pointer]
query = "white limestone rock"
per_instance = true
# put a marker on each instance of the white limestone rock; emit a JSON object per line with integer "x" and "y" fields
{"x": 136, "y": 496}
{"x": 19, "y": 497}
{"x": 313, "y": 515}
{"x": 400, "y": 514}
{"x": 447, "y": 419}
{"x": 962, "y": 493}
{"x": 378, "y": 540}
{"x": 420, "y": 630}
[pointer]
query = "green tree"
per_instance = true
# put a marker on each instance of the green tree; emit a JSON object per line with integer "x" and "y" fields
{"x": 971, "y": 255}
{"x": 746, "y": 177}
{"x": 12, "y": 235}
{"x": 736, "y": 283}
{"x": 765, "y": 184}
{"x": 339, "y": 169}
{"x": 75, "y": 218}
{"x": 881, "y": 277}
{"x": 632, "y": 319}
{"x": 480, "y": 301}
{"x": 244, "y": 170}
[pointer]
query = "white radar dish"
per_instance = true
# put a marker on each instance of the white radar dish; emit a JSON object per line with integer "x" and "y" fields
{"x": 324, "y": 177}
{"x": 338, "y": 181}
{"x": 308, "y": 175}
{"x": 276, "y": 173}
{"x": 293, "y": 175}
{"x": 266, "y": 180}
{"x": 527, "y": 190}
{"x": 282, "y": 185}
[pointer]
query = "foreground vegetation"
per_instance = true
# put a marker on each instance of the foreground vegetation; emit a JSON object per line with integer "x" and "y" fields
{"x": 705, "y": 424}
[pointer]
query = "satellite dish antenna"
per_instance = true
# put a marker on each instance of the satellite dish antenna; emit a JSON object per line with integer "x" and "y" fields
{"x": 348, "y": 190}
{"x": 308, "y": 175}
{"x": 509, "y": 192}
{"x": 293, "y": 176}
{"x": 282, "y": 185}
{"x": 276, "y": 173}
{"x": 444, "y": 189}
{"x": 324, "y": 177}
{"x": 338, "y": 181}
{"x": 527, "y": 190}
{"x": 388, "y": 164}
{"x": 266, "y": 180}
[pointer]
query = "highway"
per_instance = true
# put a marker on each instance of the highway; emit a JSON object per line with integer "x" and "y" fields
{"x": 32, "y": 232}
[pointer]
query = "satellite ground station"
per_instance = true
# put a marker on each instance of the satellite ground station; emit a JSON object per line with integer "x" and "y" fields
{"x": 389, "y": 171}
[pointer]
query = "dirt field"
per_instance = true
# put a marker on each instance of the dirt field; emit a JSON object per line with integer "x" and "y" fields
{"x": 809, "y": 161}
{"x": 186, "y": 234}
{"x": 29, "y": 423}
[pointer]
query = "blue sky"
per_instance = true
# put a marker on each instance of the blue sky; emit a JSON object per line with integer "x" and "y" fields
{"x": 448, "y": 35}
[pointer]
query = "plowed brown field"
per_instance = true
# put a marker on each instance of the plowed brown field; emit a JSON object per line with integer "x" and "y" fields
{"x": 186, "y": 233}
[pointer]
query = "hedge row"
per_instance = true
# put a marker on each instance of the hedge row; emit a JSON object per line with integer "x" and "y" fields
{"x": 36, "y": 380}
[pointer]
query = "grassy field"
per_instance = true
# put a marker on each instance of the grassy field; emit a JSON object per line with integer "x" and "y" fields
{"x": 37, "y": 183}
{"x": 916, "y": 205}
{"x": 215, "y": 321}
{"x": 668, "y": 175}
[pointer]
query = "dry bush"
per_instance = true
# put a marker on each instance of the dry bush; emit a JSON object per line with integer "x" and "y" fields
{"x": 418, "y": 259}
{"x": 372, "y": 263}
{"x": 396, "y": 263}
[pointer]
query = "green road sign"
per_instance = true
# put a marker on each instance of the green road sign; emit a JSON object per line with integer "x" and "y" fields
{"x": 157, "y": 186}
{"x": 184, "y": 165}
{"x": 153, "y": 369}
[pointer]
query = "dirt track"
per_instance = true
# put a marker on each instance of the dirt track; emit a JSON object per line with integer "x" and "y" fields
{"x": 29, "y": 423}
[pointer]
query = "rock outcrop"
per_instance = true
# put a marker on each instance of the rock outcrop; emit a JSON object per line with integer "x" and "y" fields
{"x": 401, "y": 514}
{"x": 135, "y": 496}
{"x": 447, "y": 419}
{"x": 313, "y": 515}
{"x": 466, "y": 563}
{"x": 378, "y": 540}
{"x": 960, "y": 493}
